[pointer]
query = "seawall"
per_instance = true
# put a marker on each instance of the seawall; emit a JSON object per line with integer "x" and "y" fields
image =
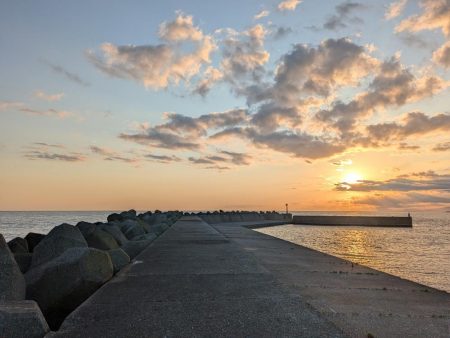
{"x": 376, "y": 221}
{"x": 227, "y": 280}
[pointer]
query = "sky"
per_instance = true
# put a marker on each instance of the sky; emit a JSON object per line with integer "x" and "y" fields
{"x": 194, "y": 105}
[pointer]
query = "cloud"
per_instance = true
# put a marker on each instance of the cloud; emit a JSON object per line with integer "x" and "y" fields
{"x": 45, "y": 151}
{"x": 67, "y": 74}
{"x": 10, "y": 105}
{"x": 181, "y": 29}
{"x": 42, "y": 155}
{"x": 442, "y": 55}
{"x": 342, "y": 163}
{"x": 395, "y": 9}
{"x": 110, "y": 155}
{"x": 298, "y": 144}
{"x": 159, "y": 139}
{"x": 342, "y": 16}
{"x": 436, "y": 15}
{"x": 183, "y": 132}
{"x": 421, "y": 182}
{"x": 406, "y": 146}
{"x": 261, "y": 14}
{"x": 48, "y": 97}
{"x": 288, "y": 5}
{"x": 243, "y": 55}
{"x": 404, "y": 201}
{"x": 393, "y": 85}
{"x": 50, "y": 145}
{"x": 412, "y": 124}
{"x": 414, "y": 40}
{"x": 101, "y": 151}
{"x": 158, "y": 66}
{"x": 222, "y": 157}
{"x": 162, "y": 158}
{"x": 442, "y": 146}
{"x": 61, "y": 114}
{"x": 280, "y": 32}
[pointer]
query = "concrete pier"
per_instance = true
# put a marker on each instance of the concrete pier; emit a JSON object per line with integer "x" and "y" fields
{"x": 226, "y": 280}
{"x": 376, "y": 221}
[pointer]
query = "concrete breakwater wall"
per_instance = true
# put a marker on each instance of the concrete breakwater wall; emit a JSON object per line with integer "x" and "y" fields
{"x": 244, "y": 216}
{"x": 43, "y": 278}
{"x": 376, "y": 221}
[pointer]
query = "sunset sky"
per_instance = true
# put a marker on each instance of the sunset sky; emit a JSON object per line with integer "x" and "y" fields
{"x": 196, "y": 105}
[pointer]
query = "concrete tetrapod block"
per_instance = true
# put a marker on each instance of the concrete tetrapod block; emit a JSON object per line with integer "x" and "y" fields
{"x": 58, "y": 240}
{"x": 12, "y": 283}
{"x": 86, "y": 228}
{"x": 102, "y": 240}
{"x": 33, "y": 239}
{"x": 131, "y": 229}
{"x": 18, "y": 245}
{"x": 134, "y": 248}
{"x": 63, "y": 283}
{"x": 23, "y": 260}
{"x": 119, "y": 259}
{"x": 114, "y": 231}
{"x": 22, "y": 319}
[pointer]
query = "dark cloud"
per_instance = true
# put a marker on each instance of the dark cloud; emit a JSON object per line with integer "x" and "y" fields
{"x": 67, "y": 74}
{"x": 222, "y": 157}
{"x": 162, "y": 158}
{"x": 43, "y": 144}
{"x": 423, "y": 181}
{"x": 159, "y": 139}
{"x": 406, "y": 146}
{"x": 44, "y": 155}
{"x": 343, "y": 17}
{"x": 281, "y": 32}
{"x": 442, "y": 55}
{"x": 393, "y": 85}
{"x": 414, "y": 40}
{"x": 121, "y": 159}
{"x": 406, "y": 201}
{"x": 442, "y": 146}
{"x": 413, "y": 124}
{"x": 183, "y": 132}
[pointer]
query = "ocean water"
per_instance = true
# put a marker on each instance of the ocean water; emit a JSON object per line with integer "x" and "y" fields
{"x": 19, "y": 223}
{"x": 420, "y": 253}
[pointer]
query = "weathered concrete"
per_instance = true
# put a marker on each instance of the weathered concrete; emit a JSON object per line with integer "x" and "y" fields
{"x": 357, "y": 299}
{"x": 226, "y": 280}
{"x": 12, "y": 282}
{"x": 374, "y": 221}
{"x": 195, "y": 282}
{"x": 22, "y": 319}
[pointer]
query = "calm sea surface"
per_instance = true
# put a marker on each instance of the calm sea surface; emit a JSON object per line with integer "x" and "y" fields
{"x": 421, "y": 253}
{"x": 19, "y": 223}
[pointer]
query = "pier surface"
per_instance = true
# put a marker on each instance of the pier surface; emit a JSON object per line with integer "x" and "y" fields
{"x": 377, "y": 221}
{"x": 225, "y": 280}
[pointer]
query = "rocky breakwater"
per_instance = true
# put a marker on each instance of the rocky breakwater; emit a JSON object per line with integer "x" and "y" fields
{"x": 45, "y": 277}
{"x": 243, "y": 216}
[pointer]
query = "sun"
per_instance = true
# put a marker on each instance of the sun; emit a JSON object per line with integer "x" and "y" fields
{"x": 352, "y": 178}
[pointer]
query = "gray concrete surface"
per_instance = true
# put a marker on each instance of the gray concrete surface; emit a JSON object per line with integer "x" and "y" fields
{"x": 193, "y": 281}
{"x": 225, "y": 280}
{"x": 357, "y": 299}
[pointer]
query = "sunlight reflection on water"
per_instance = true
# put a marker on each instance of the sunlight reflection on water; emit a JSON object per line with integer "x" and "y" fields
{"x": 421, "y": 253}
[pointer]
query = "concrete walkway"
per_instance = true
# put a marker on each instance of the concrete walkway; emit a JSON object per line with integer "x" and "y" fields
{"x": 195, "y": 281}
{"x": 357, "y": 299}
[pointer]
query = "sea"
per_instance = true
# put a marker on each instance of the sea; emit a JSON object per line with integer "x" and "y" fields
{"x": 420, "y": 253}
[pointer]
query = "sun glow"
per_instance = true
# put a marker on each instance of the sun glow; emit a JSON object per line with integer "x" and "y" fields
{"x": 352, "y": 177}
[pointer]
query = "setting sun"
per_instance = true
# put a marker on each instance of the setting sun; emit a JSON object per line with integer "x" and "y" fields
{"x": 352, "y": 178}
